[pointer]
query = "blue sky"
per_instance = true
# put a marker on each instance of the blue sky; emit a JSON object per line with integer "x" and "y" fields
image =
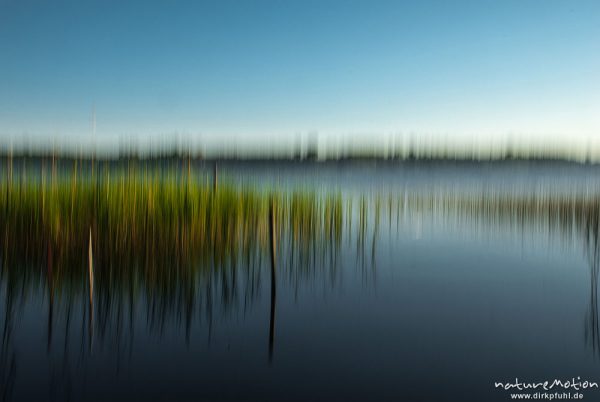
{"x": 257, "y": 71}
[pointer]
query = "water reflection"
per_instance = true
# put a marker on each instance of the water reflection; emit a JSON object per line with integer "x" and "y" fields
{"x": 592, "y": 329}
{"x": 175, "y": 278}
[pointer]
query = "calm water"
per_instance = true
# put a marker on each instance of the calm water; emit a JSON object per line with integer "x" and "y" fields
{"x": 427, "y": 296}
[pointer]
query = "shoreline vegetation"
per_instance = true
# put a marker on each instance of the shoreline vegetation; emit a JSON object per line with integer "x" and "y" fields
{"x": 179, "y": 155}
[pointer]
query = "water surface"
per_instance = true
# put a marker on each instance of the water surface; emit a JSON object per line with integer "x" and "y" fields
{"x": 438, "y": 282}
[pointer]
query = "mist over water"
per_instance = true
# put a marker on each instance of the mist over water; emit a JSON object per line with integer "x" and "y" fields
{"x": 361, "y": 282}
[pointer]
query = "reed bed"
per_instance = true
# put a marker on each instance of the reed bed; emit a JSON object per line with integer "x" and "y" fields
{"x": 159, "y": 228}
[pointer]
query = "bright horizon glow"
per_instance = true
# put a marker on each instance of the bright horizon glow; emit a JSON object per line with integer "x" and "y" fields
{"x": 451, "y": 74}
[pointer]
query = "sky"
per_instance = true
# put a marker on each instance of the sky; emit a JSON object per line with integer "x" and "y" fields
{"x": 262, "y": 72}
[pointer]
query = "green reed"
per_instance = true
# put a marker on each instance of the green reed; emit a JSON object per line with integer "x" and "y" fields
{"x": 158, "y": 220}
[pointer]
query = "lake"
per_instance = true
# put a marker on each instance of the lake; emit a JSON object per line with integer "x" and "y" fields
{"x": 438, "y": 280}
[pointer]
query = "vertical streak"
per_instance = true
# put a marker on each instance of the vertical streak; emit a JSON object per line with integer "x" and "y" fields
{"x": 273, "y": 278}
{"x": 91, "y": 288}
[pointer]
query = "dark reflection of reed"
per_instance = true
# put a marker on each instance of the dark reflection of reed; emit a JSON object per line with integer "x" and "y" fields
{"x": 592, "y": 327}
{"x": 8, "y": 358}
